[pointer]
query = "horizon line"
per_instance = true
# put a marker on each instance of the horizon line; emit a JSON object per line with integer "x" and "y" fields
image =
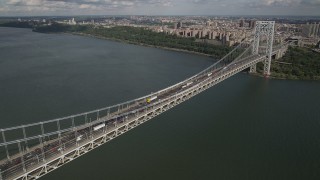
{"x": 161, "y": 15}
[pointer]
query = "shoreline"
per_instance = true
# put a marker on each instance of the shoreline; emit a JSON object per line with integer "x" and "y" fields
{"x": 140, "y": 44}
{"x": 125, "y": 42}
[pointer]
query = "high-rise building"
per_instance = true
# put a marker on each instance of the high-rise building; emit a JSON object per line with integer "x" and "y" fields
{"x": 179, "y": 25}
{"x": 242, "y": 23}
{"x": 316, "y": 29}
{"x": 306, "y": 30}
{"x": 214, "y": 34}
{"x": 252, "y": 24}
{"x": 227, "y": 38}
{"x": 175, "y": 26}
{"x": 311, "y": 30}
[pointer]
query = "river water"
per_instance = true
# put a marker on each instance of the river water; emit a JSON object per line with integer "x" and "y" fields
{"x": 244, "y": 128}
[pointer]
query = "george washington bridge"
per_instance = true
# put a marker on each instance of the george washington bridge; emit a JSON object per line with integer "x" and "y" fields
{"x": 56, "y": 142}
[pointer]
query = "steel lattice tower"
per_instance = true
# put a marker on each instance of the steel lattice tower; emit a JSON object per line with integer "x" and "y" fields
{"x": 263, "y": 28}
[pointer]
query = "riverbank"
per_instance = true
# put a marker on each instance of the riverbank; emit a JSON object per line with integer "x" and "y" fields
{"x": 141, "y": 44}
{"x": 140, "y": 36}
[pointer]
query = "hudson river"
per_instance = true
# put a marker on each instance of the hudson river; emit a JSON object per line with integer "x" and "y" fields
{"x": 245, "y": 128}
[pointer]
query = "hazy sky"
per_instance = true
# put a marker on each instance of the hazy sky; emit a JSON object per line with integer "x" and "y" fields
{"x": 159, "y": 7}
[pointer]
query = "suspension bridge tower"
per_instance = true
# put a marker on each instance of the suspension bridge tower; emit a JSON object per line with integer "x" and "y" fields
{"x": 263, "y": 29}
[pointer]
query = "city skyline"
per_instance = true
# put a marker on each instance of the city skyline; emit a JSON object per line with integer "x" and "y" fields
{"x": 158, "y": 7}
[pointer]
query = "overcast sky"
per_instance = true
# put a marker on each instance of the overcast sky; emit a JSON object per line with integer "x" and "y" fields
{"x": 159, "y": 7}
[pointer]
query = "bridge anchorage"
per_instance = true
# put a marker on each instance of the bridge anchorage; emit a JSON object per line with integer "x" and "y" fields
{"x": 32, "y": 150}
